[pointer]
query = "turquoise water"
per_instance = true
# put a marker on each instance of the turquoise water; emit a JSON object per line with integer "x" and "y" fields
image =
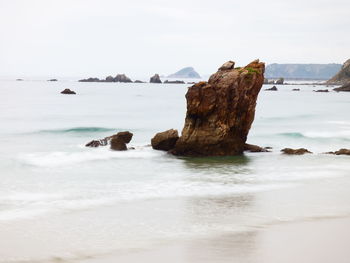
{"x": 78, "y": 202}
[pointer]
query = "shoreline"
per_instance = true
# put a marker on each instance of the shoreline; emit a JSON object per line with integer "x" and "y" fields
{"x": 320, "y": 240}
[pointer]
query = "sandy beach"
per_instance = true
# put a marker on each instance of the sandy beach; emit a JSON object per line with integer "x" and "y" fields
{"x": 318, "y": 240}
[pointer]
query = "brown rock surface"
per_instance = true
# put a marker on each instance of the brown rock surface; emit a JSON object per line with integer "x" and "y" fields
{"x": 290, "y": 151}
{"x": 165, "y": 141}
{"x": 220, "y": 112}
{"x": 119, "y": 141}
{"x": 341, "y": 152}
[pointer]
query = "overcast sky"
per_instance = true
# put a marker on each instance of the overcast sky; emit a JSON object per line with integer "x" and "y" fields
{"x": 81, "y": 38}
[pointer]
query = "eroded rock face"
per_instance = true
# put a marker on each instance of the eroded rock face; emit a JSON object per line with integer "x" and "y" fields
{"x": 165, "y": 141}
{"x": 220, "y": 112}
{"x": 290, "y": 151}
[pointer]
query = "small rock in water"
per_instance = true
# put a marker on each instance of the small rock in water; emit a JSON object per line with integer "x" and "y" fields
{"x": 321, "y": 90}
{"x": 290, "y": 151}
{"x": 119, "y": 141}
{"x": 255, "y": 148}
{"x": 295, "y": 89}
{"x": 274, "y": 88}
{"x": 165, "y": 141}
{"x": 68, "y": 91}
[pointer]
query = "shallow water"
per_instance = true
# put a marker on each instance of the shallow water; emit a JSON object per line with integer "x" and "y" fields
{"x": 61, "y": 200}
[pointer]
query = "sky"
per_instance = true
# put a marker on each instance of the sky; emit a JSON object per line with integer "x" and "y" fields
{"x": 96, "y": 38}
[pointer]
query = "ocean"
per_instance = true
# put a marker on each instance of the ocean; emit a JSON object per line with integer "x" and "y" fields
{"x": 63, "y": 202}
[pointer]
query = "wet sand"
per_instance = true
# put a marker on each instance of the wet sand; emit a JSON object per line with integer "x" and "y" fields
{"x": 319, "y": 240}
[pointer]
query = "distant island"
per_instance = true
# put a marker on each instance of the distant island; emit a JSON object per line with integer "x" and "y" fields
{"x": 301, "y": 71}
{"x": 187, "y": 72}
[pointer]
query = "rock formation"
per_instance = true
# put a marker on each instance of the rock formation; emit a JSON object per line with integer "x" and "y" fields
{"x": 290, "y": 151}
{"x": 118, "y": 141}
{"x": 155, "y": 79}
{"x": 343, "y": 76}
{"x": 345, "y": 87}
{"x": 272, "y": 89}
{"x": 220, "y": 112}
{"x": 68, "y": 91}
{"x": 165, "y": 141}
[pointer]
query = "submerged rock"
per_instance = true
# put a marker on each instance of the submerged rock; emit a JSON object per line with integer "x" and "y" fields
{"x": 68, "y": 91}
{"x": 274, "y": 88}
{"x": 290, "y": 151}
{"x": 138, "y": 81}
{"x": 295, "y": 89}
{"x": 255, "y": 148}
{"x": 341, "y": 152}
{"x": 155, "y": 79}
{"x": 52, "y": 80}
{"x": 220, "y": 112}
{"x": 321, "y": 90}
{"x": 165, "y": 141}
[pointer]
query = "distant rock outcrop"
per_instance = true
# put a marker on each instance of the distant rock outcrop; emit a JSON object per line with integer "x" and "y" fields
{"x": 301, "y": 71}
{"x": 343, "y": 76}
{"x": 52, "y": 80}
{"x": 188, "y": 72}
{"x": 155, "y": 79}
{"x": 174, "y": 82}
{"x": 122, "y": 78}
{"x": 345, "y": 87}
{"x": 321, "y": 90}
{"x": 68, "y": 91}
{"x": 220, "y": 112}
{"x": 90, "y": 80}
{"x": 165, "y": 141}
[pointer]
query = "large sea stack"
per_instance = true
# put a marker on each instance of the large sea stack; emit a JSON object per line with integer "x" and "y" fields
{"x": 221, "y": 111}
